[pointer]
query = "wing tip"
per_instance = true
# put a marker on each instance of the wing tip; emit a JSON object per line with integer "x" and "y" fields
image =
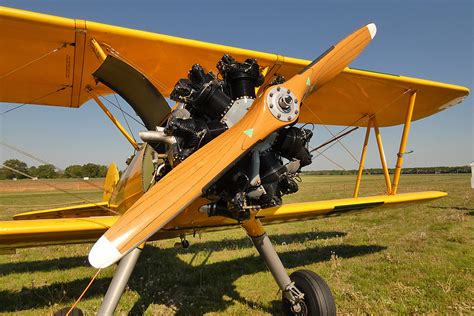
{"x": 103, "y": 254}
{"x": 372, "y": 29}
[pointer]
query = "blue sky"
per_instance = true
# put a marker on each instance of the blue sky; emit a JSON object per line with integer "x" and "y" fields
{"x": 425, "y": 39}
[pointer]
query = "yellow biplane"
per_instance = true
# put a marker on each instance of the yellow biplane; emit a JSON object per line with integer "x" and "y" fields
{"x": 223, "y": 155}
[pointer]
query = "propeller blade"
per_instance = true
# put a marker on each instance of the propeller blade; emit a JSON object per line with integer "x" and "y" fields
{"x": 329, "y": 64}
{"x": 276, "y": 108}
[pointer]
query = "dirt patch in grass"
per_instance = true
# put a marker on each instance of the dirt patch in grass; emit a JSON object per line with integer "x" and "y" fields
{"x": 44, "y": 185}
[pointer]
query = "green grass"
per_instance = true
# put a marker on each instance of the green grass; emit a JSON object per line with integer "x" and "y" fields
{"x": 414, "y": 259}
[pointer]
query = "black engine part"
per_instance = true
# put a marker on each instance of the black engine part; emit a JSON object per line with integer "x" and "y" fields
{"x": 291, "y": 143}
{"x": 241, "y": 78}
{"x": 260, "y": 177}
{"x": 202, "y": 94}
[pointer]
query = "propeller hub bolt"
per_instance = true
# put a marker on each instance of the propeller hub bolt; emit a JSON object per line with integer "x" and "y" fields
{"x": 285, "y": 103}
{"x": 278, "y": 88}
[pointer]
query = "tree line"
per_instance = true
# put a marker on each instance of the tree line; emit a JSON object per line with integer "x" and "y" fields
{"x": 48, "y": 171}
{"x": 92, "y": 170}
{"x": 420, "y": 170}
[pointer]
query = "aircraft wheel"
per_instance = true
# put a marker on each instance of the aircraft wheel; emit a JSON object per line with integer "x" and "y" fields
{"x": 318, "y": 299}
{"x": 74, "y": 312}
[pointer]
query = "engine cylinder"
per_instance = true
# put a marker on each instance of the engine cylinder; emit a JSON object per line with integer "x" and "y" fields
{"x": 241, "y": 78}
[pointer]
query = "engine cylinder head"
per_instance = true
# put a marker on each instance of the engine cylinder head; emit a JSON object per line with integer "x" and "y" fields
{"x": 205, "y": 98}
{"x": 241, "y": 78}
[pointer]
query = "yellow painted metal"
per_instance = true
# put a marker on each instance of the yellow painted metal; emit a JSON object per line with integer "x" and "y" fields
{"x": 362, "y": 160}
{"x": 253, "y": 226}
{"x": 75, "y": 211}
{"x": 320, "y": 208}
{"x": 172, "y": 194}
{"x": 382, "y": 155}
{"x": 99, "y": 52}
{"x": 114, "y": 120}
{"x": 343, "y": 101}
{"x": 79, "y": 52}
{"x": 111, "y": 180}
{"x": 31, "y": 233}
{"x": 264, "y": 73}
{"x": 403, "y": 144}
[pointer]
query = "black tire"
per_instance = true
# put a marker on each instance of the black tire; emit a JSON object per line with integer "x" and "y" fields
{"x": 318, "y": 299}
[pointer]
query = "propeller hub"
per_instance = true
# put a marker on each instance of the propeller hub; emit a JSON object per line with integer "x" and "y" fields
{"x": 283, "y": 104}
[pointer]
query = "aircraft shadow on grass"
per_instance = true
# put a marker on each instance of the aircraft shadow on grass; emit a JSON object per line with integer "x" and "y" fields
{"x": 160, "y": 277}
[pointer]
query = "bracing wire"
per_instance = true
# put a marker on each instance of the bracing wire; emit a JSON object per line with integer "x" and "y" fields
{"x": 31, "y": 101}
{"x": 18, "y": 150}
{"x": 118, "y": 108}
{"x": 62, "y": 190}
{"x": 337, "y": 164}
{"x": 55, "y": 50}
{"x": 331, "y": 140}
{"x": 363, "y": 119}
{"x": 124, "y": 117}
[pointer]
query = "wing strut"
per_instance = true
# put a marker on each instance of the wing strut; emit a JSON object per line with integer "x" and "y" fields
{"x": 113, "y": 119}
{"x": 391, "y": 187}
{"x": 362, "y": 159}
{"x": 403, "y": 144}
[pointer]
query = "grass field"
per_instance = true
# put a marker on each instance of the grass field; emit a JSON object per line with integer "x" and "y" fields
{"x": 415, "y": 259}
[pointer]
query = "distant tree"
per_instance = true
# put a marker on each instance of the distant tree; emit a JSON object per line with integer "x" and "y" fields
{"x": 33, "y": 171}
{"x": 102, "y": 171}
{"x": 16, "y": 164}
{"x": 73, "y": 171}
{"x": 47, "y": 172}
{"x": 90, "y": 170}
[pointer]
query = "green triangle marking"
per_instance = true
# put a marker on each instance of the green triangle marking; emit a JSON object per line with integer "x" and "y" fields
{"x": 249, "y": 132}
{"x": 308, "y": 82}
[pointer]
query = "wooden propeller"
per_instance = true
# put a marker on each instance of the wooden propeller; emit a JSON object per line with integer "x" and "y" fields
{"x": 276, "y": 108}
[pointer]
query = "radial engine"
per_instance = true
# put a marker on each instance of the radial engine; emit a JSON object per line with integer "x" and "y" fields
{"x": 207, "y": 106}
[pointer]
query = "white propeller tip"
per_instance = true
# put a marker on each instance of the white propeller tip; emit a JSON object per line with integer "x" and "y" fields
{"x": 372, "y": 29}
{"x": 103, "y": 254}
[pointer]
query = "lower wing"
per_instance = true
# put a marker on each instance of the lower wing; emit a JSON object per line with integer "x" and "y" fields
{"x": 56, "y": 231}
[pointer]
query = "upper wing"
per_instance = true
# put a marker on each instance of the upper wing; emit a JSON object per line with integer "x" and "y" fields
{"x": 38, "y": 42}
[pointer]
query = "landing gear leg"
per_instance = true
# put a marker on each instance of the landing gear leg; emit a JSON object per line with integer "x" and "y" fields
{"x": 265, "y": 248}
{"x": 300, "y": 297}
{"x": 119, "y": 281}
